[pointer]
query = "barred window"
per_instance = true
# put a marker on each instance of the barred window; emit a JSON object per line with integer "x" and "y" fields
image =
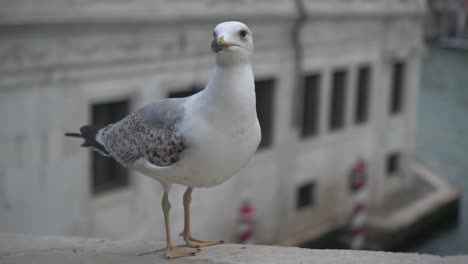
{"x": 305, "y": 195}
{"x": 362, "y": 96}
{"x": 311, "y": 105}
{"x": 338, "y": 100}
{"x": 107, "y": 174}
{"x": 397, "y": 88}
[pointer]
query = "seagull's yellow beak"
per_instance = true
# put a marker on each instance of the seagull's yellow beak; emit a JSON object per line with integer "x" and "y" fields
{"x": 219, "y": 44}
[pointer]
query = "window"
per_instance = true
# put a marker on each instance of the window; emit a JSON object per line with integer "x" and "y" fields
{"x": 311, "y": 105}
{"x": 393, "y": 163}
{"x": 185, "y": 93}
{"x": 264, "y": 91}
{"x": 362, "y": 96}
{"x": 107, "y": 174}
{"x": 305, "y": 195}
{"x": 398, "y": 80}
{"x": 337, "y": 97}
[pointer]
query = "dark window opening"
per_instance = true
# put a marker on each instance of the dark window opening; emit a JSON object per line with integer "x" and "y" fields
{"x": 398, "y": 82}
{"x": 393, "y": 164}
{"x": 107, "y": 174}
{"x": 362, "y": 96}
{"x": 264, "y": 91}
{"x": 185, "y": 93}
{"x": 337, "y": 100}
{"x": 305, "y": 195}
{"x": 311, "y": 105}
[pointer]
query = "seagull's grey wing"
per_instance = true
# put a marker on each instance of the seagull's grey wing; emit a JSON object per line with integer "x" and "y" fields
{"x": 151, "y": 133}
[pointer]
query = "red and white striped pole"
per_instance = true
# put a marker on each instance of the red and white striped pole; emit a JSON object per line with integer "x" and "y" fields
{"x": 247, "y": 219}
{"x": 359, "y": 217}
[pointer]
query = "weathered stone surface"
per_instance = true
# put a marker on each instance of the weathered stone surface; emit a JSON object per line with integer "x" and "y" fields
{"x": 16, "y": 248}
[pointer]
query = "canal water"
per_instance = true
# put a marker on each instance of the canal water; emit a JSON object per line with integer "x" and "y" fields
{"x": 442, "y": 137}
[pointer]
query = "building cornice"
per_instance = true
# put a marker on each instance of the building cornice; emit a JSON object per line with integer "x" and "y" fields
{"x": 24, "y": 12}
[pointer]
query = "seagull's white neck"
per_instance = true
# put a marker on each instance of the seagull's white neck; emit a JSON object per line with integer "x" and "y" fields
{"x": 230, "y": 93}
{"x": 233, "y": 80}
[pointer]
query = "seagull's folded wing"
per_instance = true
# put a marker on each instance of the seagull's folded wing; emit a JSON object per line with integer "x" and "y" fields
{"x": 151, "y": 133}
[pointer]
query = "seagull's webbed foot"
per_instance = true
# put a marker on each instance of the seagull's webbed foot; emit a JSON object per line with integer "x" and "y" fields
{"x": 197, "y": 243}
{"x": 178, "y": 252}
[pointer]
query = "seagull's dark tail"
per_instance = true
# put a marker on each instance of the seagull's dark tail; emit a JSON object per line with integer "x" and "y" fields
{"x": 70, "y": 134}
{"x": 88, "y": 133}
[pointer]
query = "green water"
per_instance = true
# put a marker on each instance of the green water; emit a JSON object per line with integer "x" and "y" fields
{"x": 442, "y": 140}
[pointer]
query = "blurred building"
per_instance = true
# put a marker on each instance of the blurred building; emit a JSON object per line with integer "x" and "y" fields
{"x": 447, "y": 18}
{"x": 337, "y": 82}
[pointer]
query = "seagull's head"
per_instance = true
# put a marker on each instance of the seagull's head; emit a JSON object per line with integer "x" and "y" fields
{"x": 232, "y": 43}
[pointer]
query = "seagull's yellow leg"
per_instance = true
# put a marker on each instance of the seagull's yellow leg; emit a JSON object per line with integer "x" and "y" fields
{"x": 192, "y": 242}
{"x": 171, "y": 251}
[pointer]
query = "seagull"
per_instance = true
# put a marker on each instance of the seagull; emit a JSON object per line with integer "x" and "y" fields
{"x": 196, "y": 141}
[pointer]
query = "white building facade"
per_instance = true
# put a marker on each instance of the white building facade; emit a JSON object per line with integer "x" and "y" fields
{"x": 63, "y": 64}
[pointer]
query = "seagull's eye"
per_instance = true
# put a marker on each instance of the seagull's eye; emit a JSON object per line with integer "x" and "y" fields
{"x": 214, "y": 34}
{"x": 243, "y": 33}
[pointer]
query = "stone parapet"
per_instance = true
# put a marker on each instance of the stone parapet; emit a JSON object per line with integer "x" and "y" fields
{"x": 16, "y": 248}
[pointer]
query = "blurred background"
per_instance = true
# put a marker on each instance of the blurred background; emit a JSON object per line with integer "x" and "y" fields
{"x": 363, "y": 106}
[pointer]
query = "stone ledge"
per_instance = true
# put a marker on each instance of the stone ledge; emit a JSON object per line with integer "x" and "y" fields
{"x": 18, "y": 248}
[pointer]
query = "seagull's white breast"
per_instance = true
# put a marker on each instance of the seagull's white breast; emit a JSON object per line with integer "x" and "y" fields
{"x": 221, "y": 130}
{"x": 215, "y": 155}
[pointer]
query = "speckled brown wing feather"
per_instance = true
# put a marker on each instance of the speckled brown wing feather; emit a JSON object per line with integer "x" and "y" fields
{"x": 152, "y": 132}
